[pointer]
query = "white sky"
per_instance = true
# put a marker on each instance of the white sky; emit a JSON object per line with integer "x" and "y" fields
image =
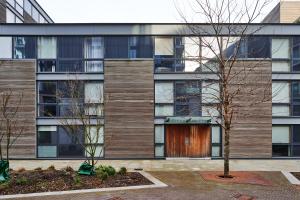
{"x": 118, "y": 11}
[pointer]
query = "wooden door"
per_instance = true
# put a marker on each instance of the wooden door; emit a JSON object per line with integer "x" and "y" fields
{"x": 188, "y": 141}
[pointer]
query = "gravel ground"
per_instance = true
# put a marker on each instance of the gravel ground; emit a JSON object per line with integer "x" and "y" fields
{"x": 190, "y": 186}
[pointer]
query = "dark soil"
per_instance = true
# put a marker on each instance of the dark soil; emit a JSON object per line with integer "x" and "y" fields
{"x": 61, "y": 180}
{"x": 297, "y": 175}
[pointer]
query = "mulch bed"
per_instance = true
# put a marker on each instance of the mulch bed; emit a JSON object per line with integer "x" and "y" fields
{"x": 238, "y": 178}
{"x": 296, "y": 174}
{"x": 62, "y": 180}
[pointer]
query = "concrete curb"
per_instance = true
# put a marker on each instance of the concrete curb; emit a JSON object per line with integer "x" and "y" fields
{"x": 156, "y": 184}
{"x": 292, "y": 179}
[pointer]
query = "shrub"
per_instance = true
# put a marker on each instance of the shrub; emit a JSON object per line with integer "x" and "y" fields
{"x": 51, "y": 167}
{"x": 4, "y": 185}
{"x": 101, "y": 174}
{"x": 122, "y": 171}
{"x": 108, "y": 169}
{"x": 21, "y": 170}
{"x": 22, "y": 181}
{"x": 38, "y": 169}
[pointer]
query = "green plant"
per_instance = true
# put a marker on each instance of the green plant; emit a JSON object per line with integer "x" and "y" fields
{"x": 122, "y": 171}
{"x": 77, "y": 180}
{"x": 51, "y": 167}
{"x": 108, "y": 169}
{"x": 102, "y": 174}
{"x": 4, "y": 185}
{"x": 22, "y": 181}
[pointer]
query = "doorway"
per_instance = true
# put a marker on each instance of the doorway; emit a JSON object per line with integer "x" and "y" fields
{"x": 188, "y": 141}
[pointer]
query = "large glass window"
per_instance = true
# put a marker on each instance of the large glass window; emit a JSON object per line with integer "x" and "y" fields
{"x": 280, "y": 140}
{"x": 47, "y": 140}
{"x": 259, "y": 47}
{"x": 216, "y": 141}
{"x": 47, "y": 65}
{"x": 94, "y": 48}
{"x": 188, "y": 98}
{"x": 116, "y": 47}
{"x": 164, "y": 92}
{"x": 296, "y": 98}
{"x": 70, "y": 144}
{"x": 5, "y": 47}
{"x": 70, "y": 47}
{"x": 24, "y": 47}
{"x": 35, "y": 14}
{"x": 281, "y": 110}
{"x": 47, "y": 47}
{"x": 281, "y": 48}
{"x": 10, "y": 16}
{"x": 28, "y": 6}
{"x": 281, "y": 92}
{"x": 296, "y": 54}
{"x": 47, "y": 99}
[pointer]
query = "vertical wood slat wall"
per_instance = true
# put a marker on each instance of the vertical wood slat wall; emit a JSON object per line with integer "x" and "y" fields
{"x": 251, "y": 135}
{"x": 129, "y": 109}
{"x": 19, "y": 76}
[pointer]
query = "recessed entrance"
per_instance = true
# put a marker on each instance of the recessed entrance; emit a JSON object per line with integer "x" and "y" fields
{"x": 188, "y": 141}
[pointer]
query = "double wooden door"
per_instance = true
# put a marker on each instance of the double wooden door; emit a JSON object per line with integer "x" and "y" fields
{"x": 188, "y": 141}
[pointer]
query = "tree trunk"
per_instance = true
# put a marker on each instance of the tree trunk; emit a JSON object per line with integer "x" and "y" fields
{"x": 226, "y": 153}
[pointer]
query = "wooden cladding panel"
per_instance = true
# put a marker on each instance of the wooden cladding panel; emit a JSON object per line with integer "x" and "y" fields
{"x": 129, "y": 109}
{"x": 19, "y": 76}
{"x": 188, "y": 141}
{"x": 251, "y": 135}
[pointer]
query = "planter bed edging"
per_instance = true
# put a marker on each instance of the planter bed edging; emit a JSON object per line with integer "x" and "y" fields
{"x": 156, "y": 184}
{"x": 292, "y": 179}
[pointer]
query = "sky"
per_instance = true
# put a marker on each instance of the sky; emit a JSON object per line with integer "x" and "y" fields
{"x": 120, "y": 11}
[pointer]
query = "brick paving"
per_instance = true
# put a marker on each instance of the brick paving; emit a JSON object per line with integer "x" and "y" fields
{"x": 189, "y": 185}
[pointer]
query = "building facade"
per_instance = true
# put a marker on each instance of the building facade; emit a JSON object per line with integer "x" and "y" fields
{"x": 147, "y": 86}
{"x": 22, "y": 11}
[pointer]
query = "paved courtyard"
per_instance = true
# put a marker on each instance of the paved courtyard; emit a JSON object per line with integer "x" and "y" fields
{"x": 171, "y": 165}
{"x": 190, "y": 186}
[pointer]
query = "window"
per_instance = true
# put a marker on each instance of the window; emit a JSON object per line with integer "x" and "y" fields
{"x": 19, "y": 6}
{"x": 70, "y": 47}
{"x": 47, "y": 99}
{"x": 210, "y": 92}
{"x": 70, "y": 144}
{"x": 94, "y": 47}
{"x": 259, "y": 47}
{"x": 140, "y": 47}
{"x": 280, "y": 92}
{"x": 296, "y": 98}
{"x": 280, "y": 48}
{"x": 164, "y": 93}
{"x": 94, "y": 66}
{"x": 10, "y": 16}
{"x": 5, "y": 47}
{"x": 164, "y": 110}
{"x": 210, "y": 111}
{"x": 93, "y": 93}
{"x": 164, "y": 46}
{"x": 35, "y": 14}
{"x": 18, "y": 20}
{"x": 94, "y": 138}
{"x": 46, "y": 65}
{"x": 281, "y": 110}
{"x": 216, "y": 141}
{"x": 28, "y": 6}
{"x": 280, "y": 140}
{"x": 47, "y": 140}
{"x": 70, "y": 66}
{"x": 47, "y": 47}
{"x": 159, "y": 134}
{"x": 24, "y": 47}
{"x": 188, "y": 98}
{"x": 280, "y": 66}
{"x": 116, "y": 47}
{"x": 296, "y": 54}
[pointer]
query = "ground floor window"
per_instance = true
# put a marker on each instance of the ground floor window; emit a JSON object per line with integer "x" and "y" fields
{"x": 59, "y": 142}
{"x": 286, "y": 141}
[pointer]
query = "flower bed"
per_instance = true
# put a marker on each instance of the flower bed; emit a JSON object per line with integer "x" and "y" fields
{"x": 50, "y": 180}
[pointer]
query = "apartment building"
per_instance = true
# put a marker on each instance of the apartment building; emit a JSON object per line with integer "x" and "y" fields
{"x": 22, "y": 11}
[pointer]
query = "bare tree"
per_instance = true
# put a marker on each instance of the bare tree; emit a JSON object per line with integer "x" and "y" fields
{"x": 222, "y": 54}
{"x": 11, "y": 123}
{"x": 82, "y": 114}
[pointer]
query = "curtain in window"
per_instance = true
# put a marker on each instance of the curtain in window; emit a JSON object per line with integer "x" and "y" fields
{"x": 93, "y": 47}
{"x": 47, "y": 47}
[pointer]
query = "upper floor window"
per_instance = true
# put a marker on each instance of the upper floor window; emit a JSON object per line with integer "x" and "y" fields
{"x": 94, "y": 48}
{"x": 47, "y": 47}
{"x": 24, "y": 47}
